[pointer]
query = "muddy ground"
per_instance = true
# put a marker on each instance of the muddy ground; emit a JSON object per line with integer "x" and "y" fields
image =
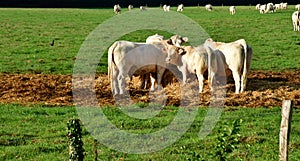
{"x": 264, "y": 89}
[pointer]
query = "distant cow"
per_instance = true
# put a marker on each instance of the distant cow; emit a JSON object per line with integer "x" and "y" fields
{"x": 238, "y": 56}
{"x": 284, "y": 5}
{"x": 262, "y": 8}
{"x": 208, "y": 7}
{"x": 270, "y": 8}
{"x": 166, "y": 8}
{"x": 296, "y": 20}
{"x": 232, "y": 10}
{"x": 143, "y": 8}
{"x": 297, "y": 7}
{"x": 130, "y": 7}
{"x": 257, "y": 7}
{"x": 180, "y": 8}
{"x": 117, "y": 9}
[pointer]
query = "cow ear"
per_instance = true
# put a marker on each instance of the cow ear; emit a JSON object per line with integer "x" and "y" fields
{"x": 185, "y": 39}
{"x": 170, "y": 42}
{"x": 181, "y": 51}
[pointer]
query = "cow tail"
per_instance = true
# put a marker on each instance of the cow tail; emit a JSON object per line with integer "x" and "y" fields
{"x": 111, "y": 63}
{"x": 247, "y": 56}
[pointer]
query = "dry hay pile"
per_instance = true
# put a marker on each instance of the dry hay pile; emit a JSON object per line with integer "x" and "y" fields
{"x": 264, "y": 89}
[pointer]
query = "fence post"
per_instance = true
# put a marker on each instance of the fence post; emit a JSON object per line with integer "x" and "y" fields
{"x": 95, "y": 150}
{"x": 284, "y": 135}
{"x": 74, "y": 140}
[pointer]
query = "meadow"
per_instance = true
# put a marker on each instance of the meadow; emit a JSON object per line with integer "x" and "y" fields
{"x": 36, "y": 132}
{"x": 26, "y": 35}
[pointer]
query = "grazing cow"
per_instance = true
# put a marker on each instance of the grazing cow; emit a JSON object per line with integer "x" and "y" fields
{"x": 209, "y": 7}
{"x": 270, "y": 8}
{"x": 175, "y": 40}
{"x": 125, "y": 57}
{"x": 232, "y": 10}
{"x": 296, "y": 20}
{"x": 143, "y": 8}
{"x": 130, "y": 7}
{"x": 117, "y": 9}
{"x": 277, "y": 6}
{"x": 166, "y": 8}
{"x": 262, "y": 9}
{"x": 180, "y": 8}
{"x": 193, "y": 60}
{"x": 257, "y": 7}
{"x": 284, "y": 5}
{"x": 297, "y": 7}
{"x": 238, "y": 56}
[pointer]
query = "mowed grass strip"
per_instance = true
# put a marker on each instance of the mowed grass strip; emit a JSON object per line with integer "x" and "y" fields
{"x": 27, "y": 34}
{"x": 39, "y": 133}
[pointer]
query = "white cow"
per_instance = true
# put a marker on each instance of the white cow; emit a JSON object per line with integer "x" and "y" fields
{"x": 278, "y": 6}
{"x": 262, "y": 8}
{"x": 238, "y": 56}
{"x": 166, "y": 8}
{"x": 128, "y": 58}
{"x": 284, "y": 5}
{"x": 117, "y": 9}
{"x": 232, "y": 10}
{"x": 209, "y": 7}
{"x": 270, "y": 8}
{"x": 257, "y": 7}
{"x": 296, "y": 20}
{"x": 297, "y": 7}
{"x": 130, "y": 7}
{"x": 193, "y": 60}
{"x": 175, "y": 40}
{"x": 143, "y": 8}
{"x": 180, "y": 8}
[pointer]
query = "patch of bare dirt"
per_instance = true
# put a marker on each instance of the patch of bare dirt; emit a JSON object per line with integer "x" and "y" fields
{"x": 264, "y": 89}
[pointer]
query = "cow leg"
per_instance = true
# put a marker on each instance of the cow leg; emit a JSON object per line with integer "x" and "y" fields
{"x": 200, "y": 81}
{"x": 160, "y": 73}
{"x": 114, "y": 82}
{"x": 184, "y": 74}
{"x": 152, "y": 82}
{"x": 236, "y": 77}
{"x": 121, "y": 83}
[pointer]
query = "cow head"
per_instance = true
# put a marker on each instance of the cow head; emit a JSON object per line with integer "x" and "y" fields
{"x": 177, "y": 40}
{"x": 174, "y": 54}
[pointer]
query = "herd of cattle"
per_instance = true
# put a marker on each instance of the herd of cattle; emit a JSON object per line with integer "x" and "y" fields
{"x": 263, "y": 8}
{"x": 151, "y": 58}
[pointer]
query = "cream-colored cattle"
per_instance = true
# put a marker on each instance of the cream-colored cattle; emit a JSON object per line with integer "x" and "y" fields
{"x": 130, "y": 7}
{"x": 296, "y": 20}
{"x": 180, "y": 8}
{"x": 209, "y": 7}
{"x": 238, "y": 56}
{"x": 232, "y": 10}
{"x": 117, "y": 9}
{"x": 166, "y": 8}
{"x": 193, "y": 60}
{"x": 297, "y": 7}
{"x": 257, "y": 6}
{"x": 125, "y": 58}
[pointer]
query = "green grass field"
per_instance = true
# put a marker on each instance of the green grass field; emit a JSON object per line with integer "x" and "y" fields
{"x": 26, "y": 35}
{"x": 39, "y": 133}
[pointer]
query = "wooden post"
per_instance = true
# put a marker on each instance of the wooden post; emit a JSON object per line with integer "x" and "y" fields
{"x": 284, "y": 135}
{"x": 95, "y": 150}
